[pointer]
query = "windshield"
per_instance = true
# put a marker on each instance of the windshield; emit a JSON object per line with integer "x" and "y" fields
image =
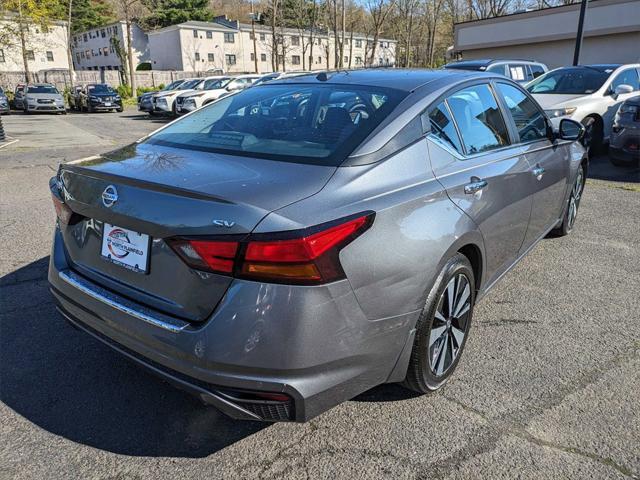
{"x": 189, "y": 84}
{"x": 173, "y": 85}
{"x": 317, "y": 124}
{"x": 100, "y": 89}
{"x": 42, "y": 89}
{"x": 215, "y": 83}
{"x": 569, "y": 81}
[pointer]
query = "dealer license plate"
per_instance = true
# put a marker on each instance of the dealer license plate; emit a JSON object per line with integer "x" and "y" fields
{"x": 126, "y": 248}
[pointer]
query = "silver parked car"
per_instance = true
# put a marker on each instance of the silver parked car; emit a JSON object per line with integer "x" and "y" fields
{"x": 43, "y": 97}
{"x": 286, "y": 248}
{"x": 521, "y": 71}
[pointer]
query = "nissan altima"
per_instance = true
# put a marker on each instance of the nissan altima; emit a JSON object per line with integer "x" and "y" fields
{"x": 288, "y": 247}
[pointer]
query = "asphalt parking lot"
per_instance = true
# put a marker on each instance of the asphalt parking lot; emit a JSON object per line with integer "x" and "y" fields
{"x": 549, "y": 385}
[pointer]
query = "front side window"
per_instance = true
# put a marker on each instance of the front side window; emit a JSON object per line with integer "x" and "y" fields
{"x": 536, "y": 70}
{"x": 215, "y": 83}
{"x": 442, "y": 126}
{"x": 528, "y": 118}
{"x": 316, "y": 124}
{"x": 497, "y": 69}
{"x": 479, "y": 120}
{"x": 628, "y": 77}
{"x": 518, "y": 72}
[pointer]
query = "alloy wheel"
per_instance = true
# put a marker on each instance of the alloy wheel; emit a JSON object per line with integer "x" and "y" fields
{"x": 450, "y": 324}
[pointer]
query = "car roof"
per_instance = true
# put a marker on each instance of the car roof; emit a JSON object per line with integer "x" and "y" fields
{"x": 40, "y": 85}
{"x": 397, "y": 78}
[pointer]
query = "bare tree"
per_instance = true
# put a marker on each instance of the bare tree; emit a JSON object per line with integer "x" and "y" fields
{"x": 130, "y": 10}
{"x": 379, "y": 10}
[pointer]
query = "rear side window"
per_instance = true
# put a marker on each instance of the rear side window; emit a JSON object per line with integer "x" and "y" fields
{"x": 518, "y": 72}
{"x": 497, "y": 69}
{"x": 479, "y": 120}
{"x": 628, "y": 77}
{"x": 527, "y": 116}
{"x": 442, "y": 126}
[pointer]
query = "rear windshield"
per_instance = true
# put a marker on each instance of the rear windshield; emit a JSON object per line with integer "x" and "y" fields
{"x": 569, "y": 81}
{"x": 42, "y": 89}
{"x": 317, "y": 124}
{"x": 100, "y": 89}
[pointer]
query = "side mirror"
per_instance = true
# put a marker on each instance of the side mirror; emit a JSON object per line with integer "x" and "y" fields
{"x": 570, "y": 130}
{"x": 232, "y": 88}
{"x": 621, "y": 90}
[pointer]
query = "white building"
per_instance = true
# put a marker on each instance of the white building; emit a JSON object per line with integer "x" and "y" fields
{"x": 96, "y": 49}
{"x": 611, "y": 34}
{"x": 46, "y": 48}
{"x": 228, "y": 46}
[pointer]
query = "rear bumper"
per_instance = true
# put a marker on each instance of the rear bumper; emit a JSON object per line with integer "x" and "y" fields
{"x": 624, "y": 144}
{"x": 313, "y": 344}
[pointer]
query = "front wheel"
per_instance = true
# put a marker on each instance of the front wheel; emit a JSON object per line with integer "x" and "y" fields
{"x": 442, "y": 329}
{"x": 571, "y": 210}
{"x": 593, "y": 136}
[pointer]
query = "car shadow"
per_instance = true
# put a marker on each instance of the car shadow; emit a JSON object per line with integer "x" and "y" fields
{"x": 71, "y": 385}
{"x": 149, "y": 118}
{"x": 390, "y": 392}
{"x": 601, "y": 168}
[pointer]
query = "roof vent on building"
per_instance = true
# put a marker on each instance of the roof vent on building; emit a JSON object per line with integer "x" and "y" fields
{"x": 223, "y": 20}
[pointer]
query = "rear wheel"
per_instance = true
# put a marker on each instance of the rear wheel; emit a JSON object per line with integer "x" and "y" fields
{"x": 443, "y": 327}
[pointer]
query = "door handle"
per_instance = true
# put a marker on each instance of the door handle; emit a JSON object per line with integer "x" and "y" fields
{"x": 538, "y": 172}
{"x": 475, "y": 186}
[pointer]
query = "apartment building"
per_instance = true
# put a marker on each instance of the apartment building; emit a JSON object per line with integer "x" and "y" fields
{"x": 228, "y": 46}
{"x": 46, "y": 48}
{"x": 97, "y": 49}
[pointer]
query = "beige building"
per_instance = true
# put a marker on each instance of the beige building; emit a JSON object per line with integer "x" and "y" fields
{"x": 228, "y": 46}
{"x": 95, "y": 49}
{"x": 46, "y": 47}
{"x": 611, "y": 35}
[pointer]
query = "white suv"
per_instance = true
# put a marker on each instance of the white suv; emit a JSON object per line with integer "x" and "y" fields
{"x": 164, "y": 101}
{"x": 213, "y": 89}
{"x": 590, "y": 94}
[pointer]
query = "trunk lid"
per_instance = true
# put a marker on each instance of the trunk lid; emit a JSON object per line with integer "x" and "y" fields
{"x": 164, "y": 192}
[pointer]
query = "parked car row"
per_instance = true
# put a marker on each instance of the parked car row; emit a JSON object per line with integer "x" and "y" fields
{"x": 604, "y": 98}
{"x": 95, "y": 97}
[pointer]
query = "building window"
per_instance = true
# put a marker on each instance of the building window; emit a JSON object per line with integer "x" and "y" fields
{"x": 197, "y": 57}
{"x": 229, "y": 38}
{"x": 250, "y": 35}
{"x": 295, "y": 41}
{"x": 230, "y": 59}
{"x": 115, "y": 29}
{"x": 319, "y": 59}
{"x": 310, "y": 61}
{"x": 105, "y": 51}
{"x": 253, "y": 57}
{"x": 78, "y": 57}
{"x": 346, "y": 59}
{"x": 263, "y": 57}
{"x": 262, "y": 37}
{"x": 358, "y": 43}
{"x": 103, "y": 33}
{"x": 209, "y": 34}
{"x": 84, "y": 35}
{"x": 210, "y": 57}
{"x": 358, "y": 60}
{"x": 195, "y": 34}
{"x": 30, "y": 55}
{"x": 295, "y": 59}
{"x": 2, "y": 60}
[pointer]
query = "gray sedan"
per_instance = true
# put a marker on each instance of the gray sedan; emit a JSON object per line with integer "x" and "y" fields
{"x": 288, "y": 247}
{"x": 43, "y": 97}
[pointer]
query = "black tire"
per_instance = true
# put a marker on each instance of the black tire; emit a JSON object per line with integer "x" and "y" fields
{"x": 593, "y": 138}
{"x": 423, "y": 375}
{"x": 120, "y": 110}
{"x": 89, "y": 108}
{"x": 573, "y": 203}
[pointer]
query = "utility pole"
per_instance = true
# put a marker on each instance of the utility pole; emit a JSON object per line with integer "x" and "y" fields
{"x": 580, "y": 34}
{"x": 253, "y": 34}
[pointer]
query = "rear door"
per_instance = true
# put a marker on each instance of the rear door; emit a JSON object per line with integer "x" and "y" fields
{"x": 484, "y": 174}
{"x": 548, "y": 162}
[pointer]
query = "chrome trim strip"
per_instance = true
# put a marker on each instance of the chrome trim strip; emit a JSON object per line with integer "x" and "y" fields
{"x": 102, "y": 295}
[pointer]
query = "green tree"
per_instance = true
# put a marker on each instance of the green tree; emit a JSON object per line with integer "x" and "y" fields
{"x": 88, "y": 14}
{"x": 169, "y": 12}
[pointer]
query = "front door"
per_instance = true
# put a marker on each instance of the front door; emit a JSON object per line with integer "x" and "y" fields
{"x": 613, "y": 101}
{"x": 548, "y": 162}
{"x": 483, "y": 173}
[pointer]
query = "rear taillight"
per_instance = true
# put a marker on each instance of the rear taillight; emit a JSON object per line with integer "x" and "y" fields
{"x": 63, "y": 212}
{"x": 307, "y": 257}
